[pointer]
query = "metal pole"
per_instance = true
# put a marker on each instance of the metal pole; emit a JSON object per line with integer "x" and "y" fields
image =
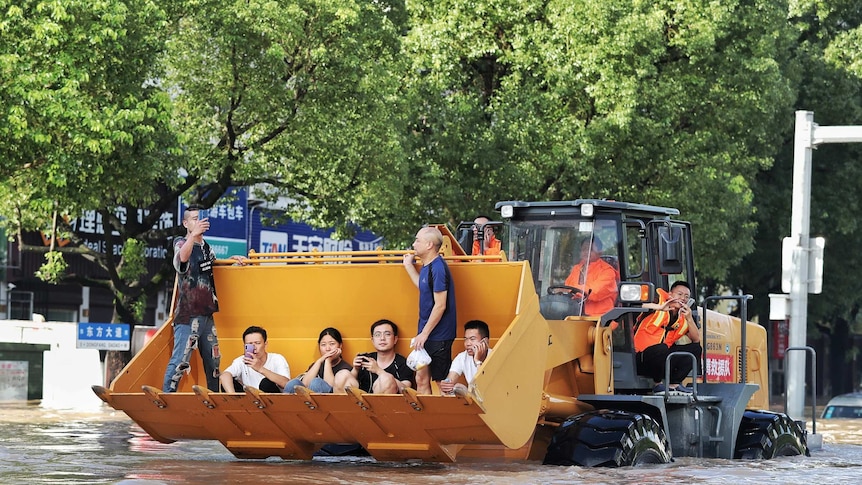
{"x": 813, "y": 354}
{"x": 807, "y": 136}
{"x": 799, "y": 232}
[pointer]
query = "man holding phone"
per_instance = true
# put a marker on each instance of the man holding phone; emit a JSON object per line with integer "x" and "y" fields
{"x": 256, "y": 368}
{"x": 657, "y": 333}
{"x": 476, "y": 350}
{"x": 193, "y": 325}
{"x": 383, "y": 371}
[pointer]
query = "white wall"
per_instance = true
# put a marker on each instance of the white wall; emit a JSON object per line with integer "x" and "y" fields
{"x": 69, "y": 372}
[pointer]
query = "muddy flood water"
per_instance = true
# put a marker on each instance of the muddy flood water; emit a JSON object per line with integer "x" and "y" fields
{"x": 100, "y": 445}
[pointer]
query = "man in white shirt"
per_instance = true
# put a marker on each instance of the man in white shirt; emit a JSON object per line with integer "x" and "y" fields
{"x": 466, "y": 364}
{"x": 260, "y": 369}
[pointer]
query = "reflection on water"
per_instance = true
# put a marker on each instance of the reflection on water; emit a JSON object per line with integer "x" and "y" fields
{"x": 72, "y": 447}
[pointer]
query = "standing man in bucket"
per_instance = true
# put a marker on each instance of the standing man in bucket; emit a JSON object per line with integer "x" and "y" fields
{"x": 193, "y": 325}
{"x": 437, "y": 317}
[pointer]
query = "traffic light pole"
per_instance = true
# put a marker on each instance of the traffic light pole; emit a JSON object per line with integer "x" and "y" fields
{"x": 808, "y": 135}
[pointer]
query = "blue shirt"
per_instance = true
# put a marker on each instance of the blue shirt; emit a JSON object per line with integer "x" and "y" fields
{"x": 434, "y": 278}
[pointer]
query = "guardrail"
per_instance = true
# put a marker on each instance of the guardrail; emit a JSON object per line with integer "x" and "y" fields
{"x": 810, "y": 351}
{"x": 328, "y": 257}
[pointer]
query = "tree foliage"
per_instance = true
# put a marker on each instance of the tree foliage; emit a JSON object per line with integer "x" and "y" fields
{"x": 388, "y": 115}
{"x": 140, "y": 102}
{"x": 82, "y": 126}
{"x": 669, "y": 103}
{"x": 297, "y": 95}
{"x": 830, "y": 83}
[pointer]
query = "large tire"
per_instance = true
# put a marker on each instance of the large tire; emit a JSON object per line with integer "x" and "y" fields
{"x": 763, "y": 435}
{"x": 608, "y": 438}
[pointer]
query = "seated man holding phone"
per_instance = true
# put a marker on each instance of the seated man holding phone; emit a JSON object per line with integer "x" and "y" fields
{"x": 256, "y": 368}
{"x": 383, "y": 371}
{"x": 657, "y": 333}
{"x": 466, "y": 364}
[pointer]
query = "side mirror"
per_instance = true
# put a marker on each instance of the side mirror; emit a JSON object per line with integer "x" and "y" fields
{"x": 671, "y": 250}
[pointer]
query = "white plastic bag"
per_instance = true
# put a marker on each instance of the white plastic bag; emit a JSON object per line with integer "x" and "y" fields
{"x": 418, "y": 359}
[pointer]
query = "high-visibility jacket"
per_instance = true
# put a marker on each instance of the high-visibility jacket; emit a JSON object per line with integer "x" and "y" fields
{"x": 656, "y": 327}
{"x": 493, "y": 246}
{"x": 600, "y": 285}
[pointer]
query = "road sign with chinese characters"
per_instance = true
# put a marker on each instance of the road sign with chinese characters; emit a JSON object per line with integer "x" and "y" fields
{"x": 103, "y": 336}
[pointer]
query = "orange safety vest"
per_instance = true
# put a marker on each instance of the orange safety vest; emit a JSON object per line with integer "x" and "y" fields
{"x": 656, "y": 328}
{"x": 493, "y": 247}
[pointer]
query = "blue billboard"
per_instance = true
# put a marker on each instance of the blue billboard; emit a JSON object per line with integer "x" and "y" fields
{"x": 237, "y": 229}
{"x": 299, "y": 237}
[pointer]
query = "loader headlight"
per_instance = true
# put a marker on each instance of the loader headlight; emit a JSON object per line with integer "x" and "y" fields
{"x": 636, "y": 292}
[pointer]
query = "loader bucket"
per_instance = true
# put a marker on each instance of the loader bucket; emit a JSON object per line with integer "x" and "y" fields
{"x": 294, "y": 296}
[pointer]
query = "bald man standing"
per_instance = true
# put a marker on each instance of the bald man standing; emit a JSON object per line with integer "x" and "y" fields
{"x": 437, "y": 316}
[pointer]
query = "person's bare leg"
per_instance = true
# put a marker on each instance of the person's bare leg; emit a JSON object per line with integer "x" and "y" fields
{"x": 423, "y": 380}
{"x": 385, "y": 384}
{"x": 342, "y": 379}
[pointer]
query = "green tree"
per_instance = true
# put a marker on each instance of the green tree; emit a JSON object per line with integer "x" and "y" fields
{"x": 830, "y": 80}
{"x": 142, "y": 104}
{"x": 671, "y": 103}
{"x": 301, "y": 96}
{"x": 81, "y": 126}
{"x": 123, "y": 106}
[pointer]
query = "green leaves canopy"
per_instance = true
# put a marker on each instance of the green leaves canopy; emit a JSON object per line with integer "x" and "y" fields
{"x": 298, "y": 95}
{"x": 132, "y": 103}
{"x": 670, "y": 103}
{"x": 75, "y": 110}
{"x": 389, "y": 114}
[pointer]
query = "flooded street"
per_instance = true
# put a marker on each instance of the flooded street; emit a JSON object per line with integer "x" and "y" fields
{"x": 100, "y": 445}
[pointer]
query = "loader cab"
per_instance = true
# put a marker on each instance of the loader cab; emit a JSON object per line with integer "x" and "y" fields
{"x": 643, "y": 243}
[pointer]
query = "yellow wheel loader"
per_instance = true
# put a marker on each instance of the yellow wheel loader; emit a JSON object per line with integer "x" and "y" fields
{"x": 560, "y": 386}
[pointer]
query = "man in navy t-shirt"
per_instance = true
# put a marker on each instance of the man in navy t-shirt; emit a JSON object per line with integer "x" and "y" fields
{"x": 437, "y": 316}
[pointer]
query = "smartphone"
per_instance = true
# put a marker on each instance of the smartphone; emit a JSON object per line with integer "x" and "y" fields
{"x": 249, "y": 350}
{"x": 203, "y": 214}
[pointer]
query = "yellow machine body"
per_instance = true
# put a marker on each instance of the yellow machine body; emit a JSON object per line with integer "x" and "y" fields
{"x": 527, "y": 386}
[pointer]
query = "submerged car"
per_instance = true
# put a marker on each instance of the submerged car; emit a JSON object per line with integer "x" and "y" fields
{"x": 844, "y": 406}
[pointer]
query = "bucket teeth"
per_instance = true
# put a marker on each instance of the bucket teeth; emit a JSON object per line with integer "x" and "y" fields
{"x": 155, "y": 396}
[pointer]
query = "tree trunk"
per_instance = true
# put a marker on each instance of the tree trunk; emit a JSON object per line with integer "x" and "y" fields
{"x": 115, "y": 361}
{"x": 839, "y": 346}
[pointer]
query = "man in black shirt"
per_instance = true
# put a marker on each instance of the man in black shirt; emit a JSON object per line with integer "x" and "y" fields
{"x": 193, "y": 325}
{"x": 384, "y": 371}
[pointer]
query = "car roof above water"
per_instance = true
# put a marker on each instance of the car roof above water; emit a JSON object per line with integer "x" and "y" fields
{"x": 844, "y": 406}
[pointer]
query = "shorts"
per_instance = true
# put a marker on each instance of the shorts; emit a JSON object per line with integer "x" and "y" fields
{"x": 441, "y": 358}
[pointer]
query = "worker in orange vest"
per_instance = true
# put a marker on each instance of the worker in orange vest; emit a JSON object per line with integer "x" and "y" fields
{"x": 657, "y": 332}
{"x": 490, "y": 244}
{"x": 592, "y": 279}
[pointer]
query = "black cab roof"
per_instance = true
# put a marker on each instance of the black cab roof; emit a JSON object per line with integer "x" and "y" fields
{"x": 599, "y": 205}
